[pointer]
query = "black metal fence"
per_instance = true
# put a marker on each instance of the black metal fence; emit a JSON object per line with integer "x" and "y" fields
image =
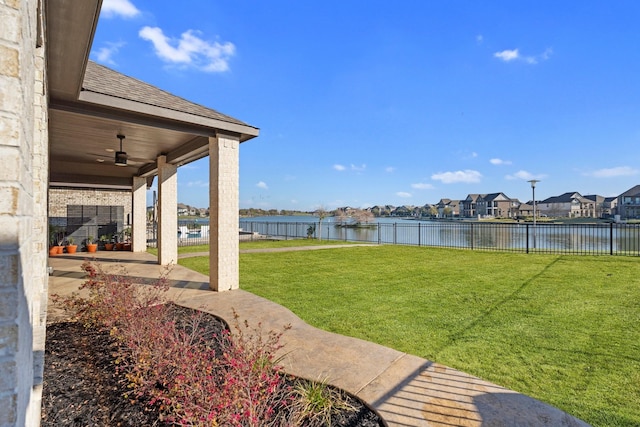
{"x": 579, "y": 239}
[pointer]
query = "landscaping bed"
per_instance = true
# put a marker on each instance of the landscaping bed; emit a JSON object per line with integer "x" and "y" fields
{"x": 83, "y": 387}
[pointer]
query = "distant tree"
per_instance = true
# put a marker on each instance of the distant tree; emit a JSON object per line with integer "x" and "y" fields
{"x": 433, "y": 211}
{"x": 321, "y": 213}
{"x": 447, "y": 211}
{"x": 361, "y": 216}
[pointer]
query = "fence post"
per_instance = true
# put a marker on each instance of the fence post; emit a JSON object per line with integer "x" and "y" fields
{"x": 610, "y": 238}
{"x": 379, "y": 236}
{"x": 418, "y": 234}
{"x": 527, "y": 240}
{"x": 472, "y": 237}
{"x": 395, "y": 240}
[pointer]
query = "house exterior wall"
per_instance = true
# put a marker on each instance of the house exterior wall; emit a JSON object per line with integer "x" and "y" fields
{"x": 23, "y": 212}
{"x": 574, "y": 209}
{"x": 59, "y": 198}
{"x": 628, "y": 206}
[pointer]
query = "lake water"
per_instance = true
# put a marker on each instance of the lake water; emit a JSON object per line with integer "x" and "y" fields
{"x": 544, "y": 237}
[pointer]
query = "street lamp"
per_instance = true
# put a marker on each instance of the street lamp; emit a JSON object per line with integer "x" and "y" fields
{"x": 533, "y": 189}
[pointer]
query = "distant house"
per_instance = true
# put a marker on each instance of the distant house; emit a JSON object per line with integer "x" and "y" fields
{"x": 448, "y": 208}
{"x": 525, "y": 210}
{"x": 605, "y": 206}
{"x": 469, "y": 206}
{"x": 495, "y": 205}
{"x": 629, "y": 203}
{"x": 402, "y": 211}
{"x": 570, "y": 205}
{"x": 610, "y": 207}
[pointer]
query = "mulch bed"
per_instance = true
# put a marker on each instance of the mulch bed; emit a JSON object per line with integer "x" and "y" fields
{"x": 82, "y": 388}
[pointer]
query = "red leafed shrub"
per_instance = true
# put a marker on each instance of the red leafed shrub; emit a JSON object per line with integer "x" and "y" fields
{"x": 194, "y": 378}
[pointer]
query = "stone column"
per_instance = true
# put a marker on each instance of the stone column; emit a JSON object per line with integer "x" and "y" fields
{"x": 167, "y": 212}
{"x": 139, "y": 213}
{"x": 223, "y": 212}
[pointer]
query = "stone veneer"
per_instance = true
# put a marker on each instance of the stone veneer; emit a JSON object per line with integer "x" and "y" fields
{"x": 224, "y": 171}
{"x": 23, "y": 211}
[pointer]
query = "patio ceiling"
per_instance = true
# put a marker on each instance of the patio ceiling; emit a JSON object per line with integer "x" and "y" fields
{"x": 91, "y": 104}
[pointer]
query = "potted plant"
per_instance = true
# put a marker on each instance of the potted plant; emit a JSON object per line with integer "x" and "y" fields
{"x": 108, "y": 244}
{"x": 53, "y": 238}
{"x": 71, "y": 248}
{"x": 91, "y": 247}
{"x": 127, "y": 239}
{"x": 56, "y": 237}
{"x": 119, "y": 241}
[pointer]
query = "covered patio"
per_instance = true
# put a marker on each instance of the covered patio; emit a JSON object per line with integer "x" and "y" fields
{"x": 108, "y": 131}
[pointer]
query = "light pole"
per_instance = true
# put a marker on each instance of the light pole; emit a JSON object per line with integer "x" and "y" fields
{"x": 533, "y": 189}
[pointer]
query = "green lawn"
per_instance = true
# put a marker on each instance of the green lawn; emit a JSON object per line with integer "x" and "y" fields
{"x": 260, "y": 244}
{"x": 563, "y": 329}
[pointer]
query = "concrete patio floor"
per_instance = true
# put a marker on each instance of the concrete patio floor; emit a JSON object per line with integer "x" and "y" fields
{"x": 405, "y": 390}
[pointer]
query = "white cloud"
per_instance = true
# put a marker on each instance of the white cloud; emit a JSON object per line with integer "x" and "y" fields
{"x": 390, "y": 169}
{"x": 546, "y": 54}
{"x": 500, "y": 162}
{"x": 403, "y": 194}
{"x": 507, "y": 55}
{"x": 123, "y": 8}
{"x": 479, "y": 39}
{"x": 358, "y": 168}
{"x": 262, "y": 185}
{"x": 422, "y": 186}
{"x": 106, "y": 53}
{"x": 466, "y": 176}
{"x": 339, "y": 167}
{"x": 190, "y": 50}
{"x": 524, "y": 175}
{"x": 613, "y": 172}
{"x": 514, "y": 54}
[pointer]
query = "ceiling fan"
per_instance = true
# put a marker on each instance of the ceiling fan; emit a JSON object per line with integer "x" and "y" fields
{"x": 121, "y": 158}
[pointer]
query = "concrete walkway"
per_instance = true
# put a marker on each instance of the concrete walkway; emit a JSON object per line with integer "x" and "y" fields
{"x": 405, "y": 390}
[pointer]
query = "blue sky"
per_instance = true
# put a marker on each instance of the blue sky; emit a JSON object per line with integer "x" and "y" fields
{"x": 364, "y": 103}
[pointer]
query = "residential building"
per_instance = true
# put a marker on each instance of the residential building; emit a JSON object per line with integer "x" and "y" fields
{"x": 494, "y": 205}
{"x": 628, "y": 203}
{"x": 469, "y": 206}
{"x": 59, "y": 113}
{"x": 570, "y": 205}
{"x": 448, "y": 208}
{"x": 610, "y": 207}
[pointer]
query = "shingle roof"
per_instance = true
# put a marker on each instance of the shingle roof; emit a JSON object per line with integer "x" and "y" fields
{"x": 565, "y": 198}
{"x": 634, "y": 191}
{"x": 103, "y": 80}
{"x": 492, "y": 196}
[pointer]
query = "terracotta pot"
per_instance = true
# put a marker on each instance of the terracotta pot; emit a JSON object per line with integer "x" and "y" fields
{"x": 108, "y": 246}
{"x": 119, "y": 246}
{"x": 71, "y": 249}
{"x": 126, "y": 247}
{"x": 60, "y": 249}
{"x": 53, "y": 251}
{"x": 92, "y": 247}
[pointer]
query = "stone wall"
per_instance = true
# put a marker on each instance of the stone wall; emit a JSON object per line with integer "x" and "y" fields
{"x": 23, "y": 217}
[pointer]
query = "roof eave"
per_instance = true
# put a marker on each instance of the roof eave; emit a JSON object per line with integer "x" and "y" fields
{"x": 246, "y": 132}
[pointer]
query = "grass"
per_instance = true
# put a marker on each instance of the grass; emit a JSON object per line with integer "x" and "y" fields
{"x": 563, "y": 329}
{"x": 260, "y": 244}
